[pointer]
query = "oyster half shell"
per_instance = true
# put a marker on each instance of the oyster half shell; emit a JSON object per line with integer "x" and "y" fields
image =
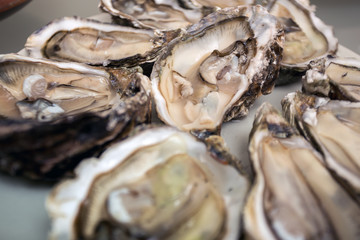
{"x": 95, "y": 43}
{"x": 161, "y": 15}
{"x": 294, "y": 196}
{"x": 164, "y": 15}
{"x": 333, "y": 127}
{"x": 158, "y": 184}
{"x": 307, "y": 38}
{"x": 336, "y": 78}
{"x": 52, "y": 114}
{"x": 216, "y": 70}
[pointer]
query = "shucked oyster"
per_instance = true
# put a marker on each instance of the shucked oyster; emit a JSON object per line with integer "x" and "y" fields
{"x": 93, "y": 42}
{"x": 307, "y": 38}
{"x": 294, "y": 196}
{"x": 334, "y": 128}
{"x": 221, "y": 3}
{"x": 158, "y": 184}
{"x": 216, "y": 70}
{"x": 53, "y": 114}
{"x": 151, "y": 14}
{"x": 336, "y": 78}
{"x": 165, "y": 14}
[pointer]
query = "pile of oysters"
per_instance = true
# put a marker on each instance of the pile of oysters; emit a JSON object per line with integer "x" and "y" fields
{"x": 125, "y": 110}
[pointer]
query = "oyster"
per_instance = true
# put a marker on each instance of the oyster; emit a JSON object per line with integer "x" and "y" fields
{"x": 336, "y": 78}
{"x": 333, "y": 127}
{"x": 307, "y": 38}
{"x": 158, "y": 184}
{"x": 223, "y": 4}
{"x": 164, "y": 14}
{"x": 96, "y": 43}
{"x": 52, "y": 114}
{"x": 294, "y": 196}
{"x": 151, "y": 14}
{"x": 217, "y": 69}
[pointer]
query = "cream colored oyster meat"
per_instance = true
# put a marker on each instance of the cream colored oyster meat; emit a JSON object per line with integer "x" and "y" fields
{"x": 218, "y": 68}
{"x": 165, "y": 14}
{"x": 152, "y": 14}
{"x": 294, "y": 196}
{"x": 93, "y": 42}
{"x": 160, "y": 184}
{"x": 224, "y": 4}
{"x": 307, "y": 38}
{"x": 43, "y": 90}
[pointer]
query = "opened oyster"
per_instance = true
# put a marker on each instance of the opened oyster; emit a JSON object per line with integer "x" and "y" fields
{"x": 165, "y": 14}
{"x": 151, "y": 14}
{"x": 217, "y": 69}
{"x": 336, "y": 78}
{"x": 96, "y": 43}
{"x": 158, "y": 184}
{"x": 52, "y": 114}
{"x": 294, "y": 196}
{"x": 333, "y": 127}
{"x": 307, "y": 38}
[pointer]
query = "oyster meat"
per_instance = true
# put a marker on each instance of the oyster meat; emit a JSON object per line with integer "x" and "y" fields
{"x": 336, "y": 78}
{"x": 52, "y": 114}
{"x": 158, "y": 184}
{"x": 307, "y": 38}
{"x": 96, "y": 43}
{"x": 223, "y": 4}
{"x": 164, "y": 14}
{"x": 161, "y": 15}
{"x": 334, "y": 128}
{"x": 294, "y": 196}
{"x": 217, "y": 69}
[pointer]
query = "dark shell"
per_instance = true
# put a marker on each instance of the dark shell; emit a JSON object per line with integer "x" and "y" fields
{"x": 49, "y": 150}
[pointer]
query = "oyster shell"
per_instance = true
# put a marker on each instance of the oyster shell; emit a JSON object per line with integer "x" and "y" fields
{"x": 307, "y": 38}
{"x": 224, "y": 4}
{"x": 162, "y": 15}
{"x": 53, "y": 114}
{"x": 333, "y": 127}
{"x": 336, "y": 78}
{"x": 217, "y": 69}
{"x": 294, "y": 196}
{"x": 159, "y": 184}
{"x": 165, "y": 14}
{"x": 96, "y": 43}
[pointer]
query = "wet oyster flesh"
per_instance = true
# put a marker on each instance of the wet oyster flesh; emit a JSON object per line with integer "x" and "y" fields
{"x": 93, "y": 42}
{"x": 152, "y": 14}
{"x": 160, "y": 183}
{"x": 165, "y": 14}
{"x": 216, "y": 70}
{"x": 43, "y": 90}
{"x": 333, "y": 127}
{"x": 307, "y": 38}
{"x": 294, "y": 196}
